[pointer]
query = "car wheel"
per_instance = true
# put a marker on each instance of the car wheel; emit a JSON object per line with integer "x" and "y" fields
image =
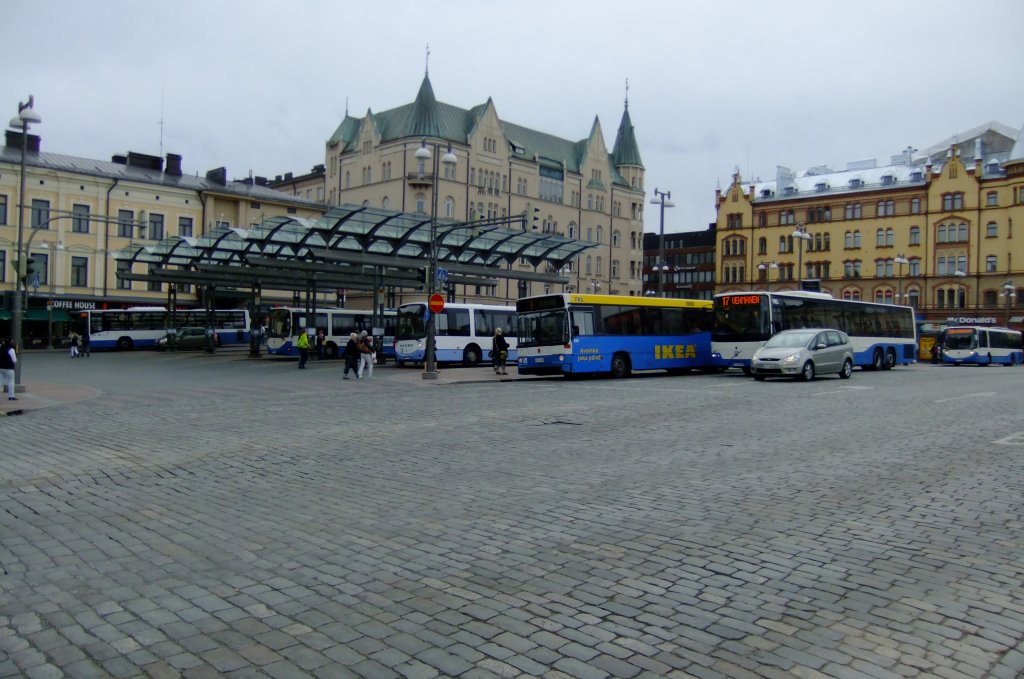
{"x": 847, "y": 370}
{"x": 807, "y": 372}
{"x": 620, "y": 365}
{"x": 471, "y": 356}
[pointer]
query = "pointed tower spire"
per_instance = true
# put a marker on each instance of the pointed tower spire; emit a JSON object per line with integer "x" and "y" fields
{"x": 625, "y": 151}
{"x": 422, "y": 120}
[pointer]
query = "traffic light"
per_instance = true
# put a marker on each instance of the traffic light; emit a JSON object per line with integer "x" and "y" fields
{"x": 30, "y": 269}
{"x": 536, "y": 213}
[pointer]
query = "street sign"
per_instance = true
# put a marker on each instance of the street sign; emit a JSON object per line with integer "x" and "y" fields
{"x": 436, "y": 304}
{"x": 442, "y": 275}
{"x": 35, "y": 282}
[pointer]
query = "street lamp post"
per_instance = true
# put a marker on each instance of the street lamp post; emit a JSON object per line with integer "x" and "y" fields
{"x": 26, "y": 116}
{"x": 1009, "y": 293}
{"x": 766, "y": 267}
{"x": 662, "y": 198}
{"x": 800, "y": 233}
{"x": 901, "y": 260}
{"x": 423, "y": 154}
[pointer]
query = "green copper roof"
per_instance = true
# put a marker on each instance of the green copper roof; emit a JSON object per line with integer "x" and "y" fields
{"x": 626, "y": 151}
{"x": 427, "y": 117}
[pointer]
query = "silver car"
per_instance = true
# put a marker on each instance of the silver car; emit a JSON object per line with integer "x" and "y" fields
{"x": 803, "y": 354}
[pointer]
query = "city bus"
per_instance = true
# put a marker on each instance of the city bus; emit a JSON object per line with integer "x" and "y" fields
{"x": 572, "y": 334}
{"x": 285, "y": 324}
{"x": 140, "y": 327}
{"x": 462, "y": 332}
{"x": 981, "y": 345}
{"x": 882, "y": 335}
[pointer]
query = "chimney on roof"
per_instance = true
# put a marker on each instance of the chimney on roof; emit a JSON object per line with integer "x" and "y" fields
{"x": 13, "y": 140}
{"x": 119, "y": 159}
{"x": 173, "y": 165}
{"x": 287, "y": 176}
{"x": 145, "y": 161}
{"x": 218, "y": 176}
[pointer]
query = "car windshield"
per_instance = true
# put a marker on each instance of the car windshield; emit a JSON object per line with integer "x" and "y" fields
{"x": 790, "y": 340}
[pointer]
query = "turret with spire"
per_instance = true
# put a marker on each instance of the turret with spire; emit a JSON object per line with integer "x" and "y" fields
{"x": 626, "y": 152}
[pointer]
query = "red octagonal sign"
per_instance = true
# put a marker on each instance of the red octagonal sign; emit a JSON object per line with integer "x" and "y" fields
{"x": 436, "y": 303}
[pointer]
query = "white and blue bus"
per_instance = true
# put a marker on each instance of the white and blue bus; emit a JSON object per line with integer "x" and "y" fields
{"x": 882, "y": 335}
{"x": 462, "y": 332}
{"x": 573, "y": 334}
{"x": 140, "y": 327}
{"x": 980, "y": 345}
{"x": 285, "y": 324}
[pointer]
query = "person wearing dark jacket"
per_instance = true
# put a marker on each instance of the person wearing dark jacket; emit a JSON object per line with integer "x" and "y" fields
{"x": 8, "y": 359}
{"x": 352, "y": 356}
{"x": 499, "y": 352}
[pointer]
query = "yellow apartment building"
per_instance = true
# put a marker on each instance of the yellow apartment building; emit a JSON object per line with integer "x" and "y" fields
{"x": 933, "y": 230}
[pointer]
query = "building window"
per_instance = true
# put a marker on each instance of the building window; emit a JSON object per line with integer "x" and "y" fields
{"x": 852, "y": 211}
{"x": 915, "y": 235}
{"x": 3, "y": 266}
{"x": 40, "y": 214}
{"x": 449, "y": 207}
{"x": 421, "y": 203}
{"x": 952, "y": 201}
{"x": 991, "y": 230}
{"x": 79, "y": 272}
{"x": 156, "y": 227}
{"x": 185, "y": 227}
{"x": 762, "y": 246}
{"x": 990, "y": 264}
{"x": 915, "y": 206}
{"x": 79, "y": 218}
{"x": 154, "y": 286}
{"x": 42, "y": 267}
{"x": 123, "y": 268}
{"x": 915, "y": 267}
{"x": 880, "y": 238}
{"x": 3, "y": 210}
{"x": 991, "y": 199}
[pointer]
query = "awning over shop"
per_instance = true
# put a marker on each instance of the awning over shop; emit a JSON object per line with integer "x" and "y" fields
{"x": 57, "y": 315}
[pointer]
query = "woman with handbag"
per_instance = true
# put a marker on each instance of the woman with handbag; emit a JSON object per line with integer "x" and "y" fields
{"x": 499, "y": 352}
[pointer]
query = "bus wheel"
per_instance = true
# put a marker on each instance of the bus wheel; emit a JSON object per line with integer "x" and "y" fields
{"x": 890, "y": 360}
{"x": 125, "y": 344}
{"x": 620, "y": 365}
{"x": 331, "y": 350}
{"x": 471, "y": 356}
{"x": 877, "y": 360}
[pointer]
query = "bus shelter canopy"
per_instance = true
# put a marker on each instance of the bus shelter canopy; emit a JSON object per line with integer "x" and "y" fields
{"x": 355, "y": 247}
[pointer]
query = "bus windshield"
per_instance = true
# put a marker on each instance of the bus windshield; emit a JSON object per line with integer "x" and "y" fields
{"x": 542, "y": 328}
{"x": 961, "y": 339}
{"x": 744, "y": 319}
{"x": 411, "y": 323}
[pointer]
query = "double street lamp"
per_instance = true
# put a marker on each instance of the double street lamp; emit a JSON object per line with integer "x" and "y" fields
{"x": 1009, "y": 293}
{"x": 423, "y": 154}
{"x": 901, "y": 260}
{"x": 662, "y": 198}
{"x": 766, "y": 268}
{"x": 800, "y": 233}
{"x": 26, "y": 116}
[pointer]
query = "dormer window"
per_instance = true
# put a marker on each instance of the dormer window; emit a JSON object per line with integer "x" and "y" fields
{"x": 790, "y": 190}
{"x": 887, "y": 179}
{"x": 856, "y": 183}
{"x": 766, "y": 193}
{"x": 916, "y": 176}
{"x": 993, "y": 167}
{"x": 821, "y": 187}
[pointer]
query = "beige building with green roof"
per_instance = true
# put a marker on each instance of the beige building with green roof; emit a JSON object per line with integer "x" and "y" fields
{"x": 577, "y": 189}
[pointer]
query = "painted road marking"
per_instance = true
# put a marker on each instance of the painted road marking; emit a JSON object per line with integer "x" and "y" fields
{"x": 957, "y": 398}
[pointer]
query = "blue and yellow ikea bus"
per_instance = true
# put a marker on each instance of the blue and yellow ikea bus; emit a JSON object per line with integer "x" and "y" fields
{"x": 573, "y": 334}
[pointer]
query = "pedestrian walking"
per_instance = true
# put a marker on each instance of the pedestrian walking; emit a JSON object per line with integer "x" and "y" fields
{"x": 321, "y": 338}
{"x": 499, "y": 352}
{"x": 303, "y": 345}
{"x": 367, "y": 356}
{"x": 352, "y": 356}
{"x": 8, "y": 359}
{"x": 85, "y": 342}
{"x": 73, "y": 345}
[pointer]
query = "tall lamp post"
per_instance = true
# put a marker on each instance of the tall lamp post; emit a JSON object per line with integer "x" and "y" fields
{"x": 800, "y": 233}
{"x": 662, "y": 198}
{"x": 1009, "y": 293}
{"x": 767, "y": 267}
{"x": 26, "y": 116}
{"x": 901, "y": 260}
{"x": 423, "y": 154}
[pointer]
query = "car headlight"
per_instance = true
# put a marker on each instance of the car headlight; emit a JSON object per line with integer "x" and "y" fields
{"x": 792, "y": 358}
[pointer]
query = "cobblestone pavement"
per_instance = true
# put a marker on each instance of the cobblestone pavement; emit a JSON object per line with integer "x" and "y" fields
{"x": 198, "y": 516}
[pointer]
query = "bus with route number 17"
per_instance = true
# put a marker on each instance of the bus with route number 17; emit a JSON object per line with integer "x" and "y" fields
{"x": 573, "y": 334}
{"x": 882, "y": 335}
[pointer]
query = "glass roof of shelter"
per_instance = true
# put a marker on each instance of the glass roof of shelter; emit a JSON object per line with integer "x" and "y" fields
{"x": 349, "y": 237}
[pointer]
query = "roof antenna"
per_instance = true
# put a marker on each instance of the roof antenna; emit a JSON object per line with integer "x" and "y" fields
{"x": 161, "y": 123}
{"x": 426, "y": 71}
{"x": 346, "y": 107}
{"x": 627, "y": 93}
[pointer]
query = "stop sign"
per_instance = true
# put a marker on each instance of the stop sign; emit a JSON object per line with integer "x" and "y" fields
{"x": 436, "y": 304}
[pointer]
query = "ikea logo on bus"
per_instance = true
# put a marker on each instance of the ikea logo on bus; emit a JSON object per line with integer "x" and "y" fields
{"x": 665, "y": 351}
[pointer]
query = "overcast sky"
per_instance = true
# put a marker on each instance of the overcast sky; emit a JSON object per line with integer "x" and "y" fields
{"x": 258, "y": 85}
